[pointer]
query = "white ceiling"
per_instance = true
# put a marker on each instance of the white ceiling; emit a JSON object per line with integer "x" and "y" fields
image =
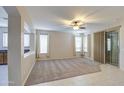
{"x": 3, "y": 16}
{"x": 56, "y": 17}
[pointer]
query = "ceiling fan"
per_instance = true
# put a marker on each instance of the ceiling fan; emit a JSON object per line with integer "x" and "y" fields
{"x": 77, "y": 24}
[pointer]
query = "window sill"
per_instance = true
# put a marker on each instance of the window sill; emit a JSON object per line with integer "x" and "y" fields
{"x": 79, "y": 52}
{"x": 28, "y": 54}
{"x": 43, "y": 53}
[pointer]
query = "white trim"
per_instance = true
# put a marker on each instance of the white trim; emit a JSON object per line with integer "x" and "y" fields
{"x": 28, "y": 74}
{"x": 3, "y": 40}
{"x": 58, "y": 58}
{"x": 48, "y": 45}
{"x": 28, "y": 54}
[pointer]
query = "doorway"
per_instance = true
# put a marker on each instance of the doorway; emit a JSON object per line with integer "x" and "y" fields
{"x": 112, "y": 48}
{"x": 3, "y": 47}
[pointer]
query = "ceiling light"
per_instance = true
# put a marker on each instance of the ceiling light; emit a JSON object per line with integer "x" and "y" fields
{"x": 75, "y": 27}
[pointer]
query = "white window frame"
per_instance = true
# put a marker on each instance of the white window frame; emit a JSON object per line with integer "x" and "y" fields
{"x": 29, "y": 40}
{"x": 7, "y": 40}
{"x": 47, "y": 43}
{"x": 4, "y": 40}
{"x": 81, "y": 44}
{"x": 85, "y": 43}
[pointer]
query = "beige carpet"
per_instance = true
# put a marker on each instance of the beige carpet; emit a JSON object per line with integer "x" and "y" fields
{"x": 45, "y": 71}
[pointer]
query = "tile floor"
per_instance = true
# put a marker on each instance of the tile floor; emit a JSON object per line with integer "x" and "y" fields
{"x": 3, "y": 75}
{"x": 109, "y": 76}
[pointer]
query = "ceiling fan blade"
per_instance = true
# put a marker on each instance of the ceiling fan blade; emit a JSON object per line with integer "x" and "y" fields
{"x": 82, "y": 27}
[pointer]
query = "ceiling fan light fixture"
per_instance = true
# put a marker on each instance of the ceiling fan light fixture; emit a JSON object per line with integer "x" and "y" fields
{"x": 75, "y": 27}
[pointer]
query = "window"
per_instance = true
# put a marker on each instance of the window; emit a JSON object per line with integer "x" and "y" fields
{"x": 5, "y": 39}
{"x": 43, "y": 43}
{"x": 108, "y": 44}
{"x": 85, "y": 44}
{"x": 78, "y": 43}
{"x": 26, "y": 40}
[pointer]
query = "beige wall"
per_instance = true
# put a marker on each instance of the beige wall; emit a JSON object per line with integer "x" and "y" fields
{"x": 89, "y": 46}
{"x": 28, "y": 60}
{"x": 27, "y": 65}
{"x": 122, "y": 46}
{"x": 92, "y": 46}
{"x": 19, "y": 64}
{"x": 61, "y": 45}
{"x": 121, "y": 59}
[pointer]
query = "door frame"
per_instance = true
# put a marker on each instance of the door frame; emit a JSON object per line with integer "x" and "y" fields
{"x": 117, "y": 29}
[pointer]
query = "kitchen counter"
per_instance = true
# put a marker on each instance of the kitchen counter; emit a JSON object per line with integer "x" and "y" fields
{"x": 3, "y": 56}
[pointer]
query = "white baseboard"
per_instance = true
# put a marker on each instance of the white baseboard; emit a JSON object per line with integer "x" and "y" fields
{"x": 28, "y": 73}
{"x": 58, "y": 58}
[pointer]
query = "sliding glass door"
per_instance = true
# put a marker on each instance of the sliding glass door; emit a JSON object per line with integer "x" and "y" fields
{"x": 112, "y": 48}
